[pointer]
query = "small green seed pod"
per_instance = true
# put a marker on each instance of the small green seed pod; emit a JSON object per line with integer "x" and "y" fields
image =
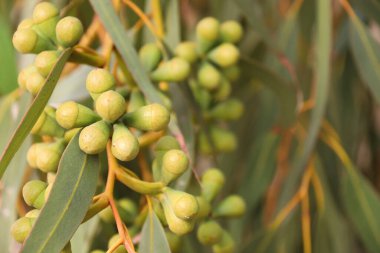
{"x": 153, "y": 117}
{"x": 99, "y": 81}
{"x": 231, "y": 109}
{"x": 72, "y": 115}
{"x": 223, "y": 141}
{"x": 20, "y": 230}
{"x": 110, "y": 105}
{"x": 45, "y": 18}
{"x": 136, "y": 101}
{"x": 207, "y": 32}
{"x": 27, "y": 41}
{"x": 34, "y": 83}
{"x": 225, "y": 245}
{"x": 175, "y": 242}
{"x": 208, "y": 76}
{"x": 212, "y": 182}
{"x": 25, "y": 24}
{"x": 187, "y": 50}
{"x": 128, "y": 210}
{"x": 69, "y": 30}
{"x": 47, "y": 125}
{"x": 223, "y": 91}
{"x": 165, "y": 144}
{"x": 125, "y": 146}
{"x": 150, "y": 55}
{"x": 69, "y": 134}
{"x": 231, "y": 31}
{"x": 45, "y": 61}
{"x": 49, "y": 155}
{"x": 174, "y": 70}
{"x": 232, "y": 73}
{"x": 33, "y": 193}
{"x": 113, "y": 241}
{"x": 209, "y": 233}
{"x": 204, "y": 207}
{"x": 232, "y": 206}
{"x": 174, "y": 164}
{"x": 224, "y": 55}
{"x": 24, "y": 74}
{"x": 93, "y": 138}
{"x": 184, "y": 205}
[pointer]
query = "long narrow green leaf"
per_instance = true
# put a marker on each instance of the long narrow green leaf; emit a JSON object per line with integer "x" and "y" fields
{"x": 34, "y": 111}
{"x": 153, "y": 238}
{"x": 68, "y": 202}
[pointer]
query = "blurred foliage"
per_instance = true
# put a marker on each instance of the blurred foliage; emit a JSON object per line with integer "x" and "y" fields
{"x": 308, "y": 158}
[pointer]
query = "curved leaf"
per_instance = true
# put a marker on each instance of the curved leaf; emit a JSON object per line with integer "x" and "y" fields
{"x": 34, "y": 111}
{"x": 68, "y": 203}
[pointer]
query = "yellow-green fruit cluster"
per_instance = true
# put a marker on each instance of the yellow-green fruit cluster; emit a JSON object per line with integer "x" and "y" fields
{"x": 44, "y": 34}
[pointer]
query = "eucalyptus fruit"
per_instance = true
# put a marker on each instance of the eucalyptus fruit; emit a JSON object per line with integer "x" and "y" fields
{"x": 153, "y": 117}
{"x": 99, "y": 81}
{"x": 69, "y": 30}
{"x": 110, "y": 105}
{"x": 174, "y": 164}
{"x": 73, "y": 115}
{"x": 93, "y": 138}
{"x": 34, "y": 193}
{"x": 125, "y": 145}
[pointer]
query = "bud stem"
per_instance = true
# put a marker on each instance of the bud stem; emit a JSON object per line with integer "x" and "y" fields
{"x": 90, "y": 57}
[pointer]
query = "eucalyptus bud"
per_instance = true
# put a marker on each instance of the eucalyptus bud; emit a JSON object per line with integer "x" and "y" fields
{"x": 73, "y": 115}
{"x": 232, "y": 206}
{"x": 45, "y": 18}
{"x": 32, "y": 154}
{"x": 69, "y": 30}
{"x": 150, "y": 55}
{"x": 69, "y": 134}
{"x": 225, "y": 245}
{"x": 49, "y": 155}
{"x": 174, "y": 70}
{"x": 28, "y": 41}
{"x": 110, "y": 105}
{"x": 224, "y": 55}
{"x": 153, "y": 117}
{"x": 175, "y": 242}
{"x": 24, "y": 75}
{"x": 165, "y": 144}
{"x": 223, "y": 91}
{"x": 136, "y": 101}
{"x": 212, "y": 182}
{"x": 45, "y": 62}
{"x": 93, "y": 138}
{"x": 201, "y": 95}
{"x": 127, "y": 209}
{"x": 33, "y": 193}
{"x": 231, "y": 31}
{"x": 174, "y": 164}
{"x": 232, "y": 73}
{"x": 34, "y": 82}
{"x": 208, "y": 76}
{"x": 204, "y": 207}
{"x": 125, "y": 145}
{"x": 99, "y": 81}
{"x": 21, "y": 228}
{"x": 25, "y": 24}
{"x": 209, "y": 233}
{"x": 34, "y": 213}
{"x": 223, "y": 141}
{"x": 47, "y": 125}
{"x": 207, "y": 33}
{"x": 187, "y": 50}
{"x": 114, "y": 239}
{"x": 184, "y": 205}
{"x": 230, "y": 109}
{"x": 106, "y": 215}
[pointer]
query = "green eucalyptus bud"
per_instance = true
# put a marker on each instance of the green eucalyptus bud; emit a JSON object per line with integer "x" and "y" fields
{"x": 93, "y": 138}
{"x": 231, "y": 31}
{"x": 33, "y": 193}
{"x": 28, "y": 41}
{"x": 187, "y": 50}
{"x": 127, "y": 209}
{"x": 150, "y": 55}
{"x": 165, "y": 144}
{"x": 201, "y": 95}
{"x": 223, "y": 91}
{"x": 208, "y": 76}
{"x": 232, "y": 73}
{"x": 231, "y": 109}
{"x": 73, "y": 115}
{"x": 209, "y": 233}
{"x": 184, "y": 205}
{"x": 49, "y": 155}
{"x": 20, "y": 230}
{"x": 24, "y": 74}
{"x": 175, "y": 242}
{"x": 47, "y": 125}
{"x": 69, "y": 134}
{"x": 212, "y": 182}
{"x": 34, "y": 213}
{"x": 174, "y": 70}
{"x": 110, "y": 105}
{"x": 114, "y": 239}
{"x": 223, "y": 141}
{"x": 224, "y": 55}
{"x": 45, "y": 61}
{"x": 207, "y": 33}
{"x": 25, "y": 24}
{"x": 69, "y": 30}
{"x": 232, "y": 206}
{"x": 45, "y": 18}
{"x": 174, "y": 164}
{"x": 32, "y": 154}
{"x": 152, "y": 117}
{"x": 125, "y": 146}
{"x": 34, "y": 82}
{"x": 136, "y": 101}
{"x": 99, "y": 81}
{"x": 204, "y": 207}
{"x": 225, "y": 245}
{"x": 106, "y": 215}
